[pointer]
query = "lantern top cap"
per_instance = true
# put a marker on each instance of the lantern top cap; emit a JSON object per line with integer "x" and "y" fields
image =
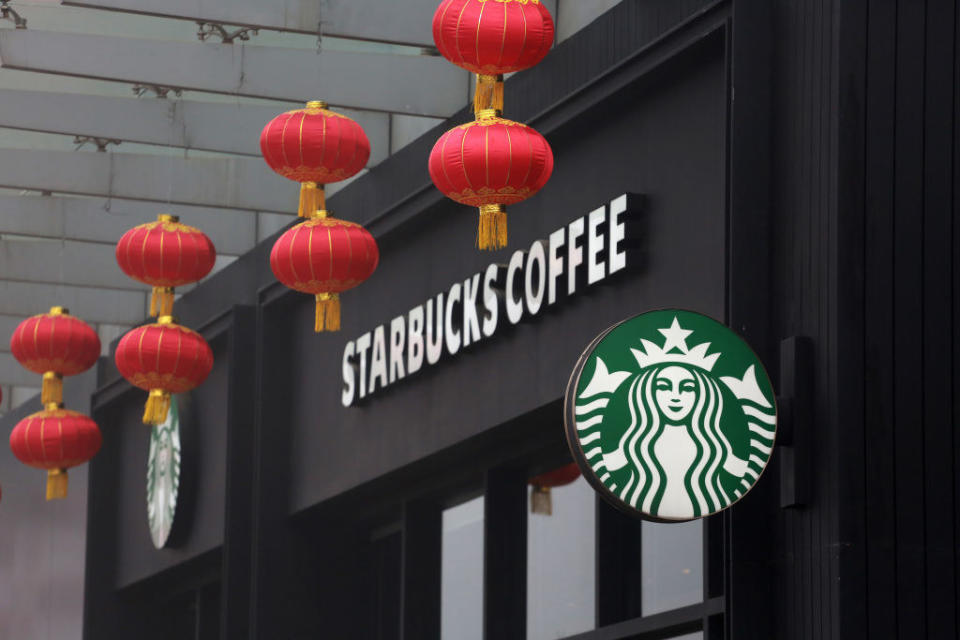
{"x": 167, "y": 217}
{"x": 166, "y": 320}
{"x": 487, "y": 114}
{"x": 59, "y": 311}
{"x": 317, "y": 104}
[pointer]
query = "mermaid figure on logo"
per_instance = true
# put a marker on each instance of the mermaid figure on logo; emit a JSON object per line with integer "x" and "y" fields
{"x": 671, "y": 455}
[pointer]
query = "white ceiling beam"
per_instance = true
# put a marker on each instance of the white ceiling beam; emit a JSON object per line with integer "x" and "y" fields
{"x": 406, "y": 22}
{"x": 105, "y": 220}
{"x": 12, "y": 373}
{"x": 70, "y": 263}
{"x": 231, "y": 183}
{"x": 207, "y": 126}
{"x": 111, "y": 306}
{"x": 7, "y": 326}
{"x": 416, "y": 85}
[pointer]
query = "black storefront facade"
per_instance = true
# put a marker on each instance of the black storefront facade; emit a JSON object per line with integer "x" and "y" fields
{"x": 789, "y": 168}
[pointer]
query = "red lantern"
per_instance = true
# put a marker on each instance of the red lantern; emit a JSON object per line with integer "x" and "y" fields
{"x": 492, "y": 38}
{"x": 540, "y": 499}
{"x": 314, "y": 146}
{"x": 163, "y": 358}
{"x": 54, "y": 345}
{"x": 491, "y": 163}
{"x": 55, "y": 440}
{"x": 325, "y": 256}
{"x": 165, "y": 254}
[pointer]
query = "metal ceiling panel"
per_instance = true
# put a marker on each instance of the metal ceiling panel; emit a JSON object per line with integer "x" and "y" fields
{"x": 111, "y": 306}
{"x": 231, "y": 183}
{"x": 407, "y": 22}
{"x": 105, "y": 220}
{"x": 69, "y": 262}
{"x": 12, "y": 373}
{"x": 416, "y": 85}
{"x": 208, "y": 126}
{"x": 7, "y": 325}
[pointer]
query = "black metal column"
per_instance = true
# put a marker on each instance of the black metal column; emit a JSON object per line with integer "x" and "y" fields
{"x": 505, "y": 555}
{"x": 238, "y": 520}
{"x": 421, "y": 572}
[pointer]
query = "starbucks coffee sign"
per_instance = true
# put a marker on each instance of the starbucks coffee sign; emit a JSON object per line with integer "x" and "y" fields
{"x": 163, "y": 476}
{"x": 670, "y": 415}
{"x": 570, "y": 260}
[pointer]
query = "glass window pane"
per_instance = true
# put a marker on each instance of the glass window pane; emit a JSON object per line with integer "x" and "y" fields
{"x": 672, "y": 567}
{"x": 461, "y": 599}
{"x": 561, "y": 564}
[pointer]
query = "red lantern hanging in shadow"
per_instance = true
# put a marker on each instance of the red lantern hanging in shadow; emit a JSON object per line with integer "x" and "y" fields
{"x": 493, "y": 38}
{"x": 540, "y": 498}
{"x": 54, "y": 345}
{"x": 165, "y": 254}
{"x": 163, "y": 358}
{"x": 55, "y": 439}
{"x": 323, "y": 256}
{"x": 497, "y": 163}
{"x": 314, "y": 146}
{"x": 491, "y": 163}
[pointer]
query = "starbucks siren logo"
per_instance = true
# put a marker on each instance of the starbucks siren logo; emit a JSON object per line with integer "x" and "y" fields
{"x": 671, "y": 414}
{"x": 163, "y": 476}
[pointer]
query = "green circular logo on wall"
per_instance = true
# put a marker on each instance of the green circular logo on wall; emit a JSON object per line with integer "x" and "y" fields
{"x": 163, "y": 476}
{"x": 670, "y": 414}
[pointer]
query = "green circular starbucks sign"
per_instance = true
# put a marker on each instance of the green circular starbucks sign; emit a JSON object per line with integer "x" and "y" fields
{"x": 671, "y": 415}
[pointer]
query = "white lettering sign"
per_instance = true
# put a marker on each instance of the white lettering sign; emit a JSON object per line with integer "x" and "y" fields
{"x": 588, "y": 250}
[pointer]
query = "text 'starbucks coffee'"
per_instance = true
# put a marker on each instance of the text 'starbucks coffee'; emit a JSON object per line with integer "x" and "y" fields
{"x": 670, "y": 415}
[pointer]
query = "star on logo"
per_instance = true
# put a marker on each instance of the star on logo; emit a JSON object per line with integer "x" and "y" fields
{"x": 676, "y": 336}
{"x": 675, "y": 349}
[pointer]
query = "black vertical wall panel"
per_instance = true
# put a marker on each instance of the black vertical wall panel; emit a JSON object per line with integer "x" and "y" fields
{"x": 880, "y": 500}
{"x": 910, "y": 178}
{"x": 907, "y": 319}
{"x": 805, "y": 261}
{"x": 940, "y": 542}
{"x": 849, "y": 552}
{"x": 955, "y": 311}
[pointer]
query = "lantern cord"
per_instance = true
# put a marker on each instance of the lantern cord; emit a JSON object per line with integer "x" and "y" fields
{"x": 492, "y": 233}
{"x": 161, "y": 301}
{"x": 312, "y": 199}
{"x": 56, "y": 484}
{"x": 52, "y": 390}
{"x": 489, "y": 94}
{"x": 328, "y": 312}
{"x": 540, "y": 501}
{"x": 158, "y": 405}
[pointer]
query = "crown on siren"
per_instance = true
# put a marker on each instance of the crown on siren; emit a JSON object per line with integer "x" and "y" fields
{"x": 675, "y": 350}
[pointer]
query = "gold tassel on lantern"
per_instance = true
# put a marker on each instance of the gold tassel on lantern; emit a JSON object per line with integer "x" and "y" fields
{"x": 489, "y": 94}
{"x": 540, "y": 501}
{"x": 161, "y": 301}
{"x": 56, "y": 484}
{"x": 312, "y": 199}
{"x": 492, "y": 233}
{"x": 328, "y": 313}
{"x": 52, "y": 390}
{"x": 158, "y": 404}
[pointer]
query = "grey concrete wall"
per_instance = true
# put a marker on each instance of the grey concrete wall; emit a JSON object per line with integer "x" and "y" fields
{"x": 42, "y": 544}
